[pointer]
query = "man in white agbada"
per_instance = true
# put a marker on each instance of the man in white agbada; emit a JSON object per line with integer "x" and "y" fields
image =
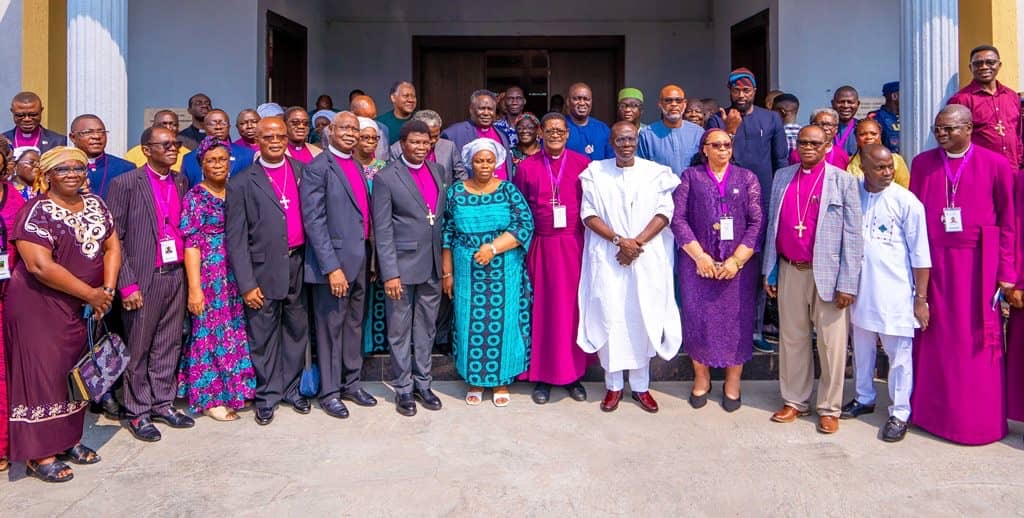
{"x": 893, "y": 288}
{"x": 627, "y": 307}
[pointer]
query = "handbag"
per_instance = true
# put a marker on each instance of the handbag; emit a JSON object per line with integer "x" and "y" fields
{"x": 309, "y": 383}
{"x": 104, "y": 361}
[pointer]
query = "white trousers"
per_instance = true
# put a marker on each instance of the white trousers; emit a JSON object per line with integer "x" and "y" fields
{"x": 639, "y": 379}
{"x": 901, "y": 369}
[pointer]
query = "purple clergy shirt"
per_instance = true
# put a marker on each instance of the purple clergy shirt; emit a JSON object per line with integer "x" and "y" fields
{"x": 282, "y": 180}
{"x": 793, "y": 245}
{"x": 358, "y": 183}
{"x": 425, "y": 183}
{"x": 167, "y": 204}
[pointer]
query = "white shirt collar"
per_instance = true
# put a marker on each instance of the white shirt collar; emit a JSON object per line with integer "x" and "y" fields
{"x": 411, "y": 166}
{"x": 334, "y": 151}
{"x": 264, "y": 163}
{"x": 958, "y": 155}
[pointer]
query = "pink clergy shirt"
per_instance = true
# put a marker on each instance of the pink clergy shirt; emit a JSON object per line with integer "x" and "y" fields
{"x": 358, "y": 184}
{"x": 425, "y": 183}
{"x": 789, "y": 241}
{"x": 282, "y": 177}
{"x": 996, "y": 119}
{"x": 302, "y": 154}
{"x": 167, "y": 204}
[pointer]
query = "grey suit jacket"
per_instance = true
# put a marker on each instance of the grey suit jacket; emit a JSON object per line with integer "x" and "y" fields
{"x": 447, "y": 157}
{"x": 838, "y": 242}
{"x": 256, "y": 234}
{"x": 131, "y": 203}
{"x": 407, "y": 245}
{"x": 462, "y": 133}
{"x": 332, "y": 220}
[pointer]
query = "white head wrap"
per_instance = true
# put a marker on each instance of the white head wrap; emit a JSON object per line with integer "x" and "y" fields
{"x": 470, "y": 150}
{"x": 269, "y": 110}
{"x": 18, "y": 151}
{"x": 327, "y": 114}
{"x": 366, "y": 122}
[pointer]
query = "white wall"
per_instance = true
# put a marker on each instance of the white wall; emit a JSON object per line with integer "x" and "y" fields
{"x": 176, "y": 49}
{"x": 10, "y": 54}
{"x": 370, "y": 44}
{"x": 309, "y": 13}
{"x": 725, "y": 15}
{"x": 822, "y": 48}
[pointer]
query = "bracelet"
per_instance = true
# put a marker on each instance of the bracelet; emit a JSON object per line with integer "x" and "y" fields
{"x": 446, "y": 275}
{"x": 923, "y": 298}
{"x": 108, "y": 290}
{"x": 494, "y": 249}
{"x": 739, "y": 265}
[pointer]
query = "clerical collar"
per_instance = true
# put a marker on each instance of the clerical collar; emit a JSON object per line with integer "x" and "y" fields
{"x": 297, "y": 148}
{"x": 334, "y": 151}
{"x": 958, "y": 155}
{"x": 410, "y": 165}
{"x": 34, "y": 133}
{"x": 157, "y": 174}
{"x": 92, "y": 161}
{"x": 269, "y": 165}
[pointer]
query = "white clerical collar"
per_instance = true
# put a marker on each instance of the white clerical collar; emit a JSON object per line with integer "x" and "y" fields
{"x": 92, "y": 161}
{"x": 27, "y": 135}
{"x": 269, "y": 165}
{"x": 958, "y": 155}
{"x": 411, "y": 166}
{"x": 334, "y": 151}
{"x": 805, "y": 171}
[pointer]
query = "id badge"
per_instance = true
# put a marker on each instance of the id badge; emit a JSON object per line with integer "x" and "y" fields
{"x": 952, "y": 219}
{"x": 559, "y": 213}
{"x": 168, "y": 252}
{"x": 725, "y": 229}
{"x": 5, "y": 269}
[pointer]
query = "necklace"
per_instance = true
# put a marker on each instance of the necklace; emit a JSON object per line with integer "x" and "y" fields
{"x": 800, "y": 218}
{"x": 281, "y": 190}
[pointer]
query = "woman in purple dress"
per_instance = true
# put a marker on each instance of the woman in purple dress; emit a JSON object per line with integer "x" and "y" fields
{"x": 717, "y": 225}
{"x": 10, "y": 204}
{"x": 68, "y": 256}
{"x": 216, "y": 372}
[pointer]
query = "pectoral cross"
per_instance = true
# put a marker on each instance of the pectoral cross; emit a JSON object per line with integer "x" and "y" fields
{"x": 1000, "y": 129}
{"x": 284, "y": 201}
{"x": 431, "y": 217}
{"x": 799, "y": 227}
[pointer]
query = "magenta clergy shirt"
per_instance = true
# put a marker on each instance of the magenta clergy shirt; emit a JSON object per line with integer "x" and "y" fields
{"x": 302, "y": 153}
{"x": 167, "y": 204}
{"x": 996, "y": 119}
{"x": 241, "y": 142}
{"x": 789, "y": 241}
{"x": 491, "y": 133}
{"x": 282, "y": 180}
{"x": 358, "y": 183}
{"x": 425, "y": 183}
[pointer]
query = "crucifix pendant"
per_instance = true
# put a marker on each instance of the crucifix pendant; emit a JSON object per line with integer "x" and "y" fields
{"x": 431, "y": 217}
{"x": 1000, "y": 129}
{"x": 285, "y": 201}
{"x": 799, "y": 227}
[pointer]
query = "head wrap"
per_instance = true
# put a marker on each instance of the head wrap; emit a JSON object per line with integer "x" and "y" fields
{"x": 528, "y": 116}
{"x": 890, "y": 87}
{"x": 269, "y": 110}
{"x": 54, "y": 158}
{"x": 482, "y": 144}
{"x": 742, "y": 77}
{"x": 631, "y": 93}
{"x": 209, "y": 143}
{"x": 366, "y": 122}
{"x": 327, "y": 114}
{"x": 18, "y": 151}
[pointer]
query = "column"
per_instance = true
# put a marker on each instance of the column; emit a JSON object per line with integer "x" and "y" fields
{"x": 97, "y": 65}
{"x": 990, "y": 22}
{"x": 43, "y": 60}
{"x": 928, "y": 68}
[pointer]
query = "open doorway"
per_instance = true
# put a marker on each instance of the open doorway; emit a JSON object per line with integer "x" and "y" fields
{"x": 749, "y": 43}
{"x": 286, "y": 61}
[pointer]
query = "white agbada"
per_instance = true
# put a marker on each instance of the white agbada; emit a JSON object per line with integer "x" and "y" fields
{"x": 895, "y": 240}
{"x": 628, "y": 313}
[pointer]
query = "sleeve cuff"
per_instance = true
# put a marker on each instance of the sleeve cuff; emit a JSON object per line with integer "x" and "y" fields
{"x": 127, "y": 291}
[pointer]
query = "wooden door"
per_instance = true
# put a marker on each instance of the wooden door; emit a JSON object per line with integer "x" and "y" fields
{"x": 749, "y": 48}
{"x": 597, "y": 67}
{"x": 448, "y": 78}
{"x": 286, "y": 61}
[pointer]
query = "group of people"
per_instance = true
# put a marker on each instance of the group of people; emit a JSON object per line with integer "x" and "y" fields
{"x": 532, "y": 245}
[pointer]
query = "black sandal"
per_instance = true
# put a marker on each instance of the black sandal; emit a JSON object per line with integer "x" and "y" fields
{"x": 48, "y": 472}
{"x": 81, "y": 454}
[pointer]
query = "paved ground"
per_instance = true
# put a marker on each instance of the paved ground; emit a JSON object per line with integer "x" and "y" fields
{"x": 564, "y": 459}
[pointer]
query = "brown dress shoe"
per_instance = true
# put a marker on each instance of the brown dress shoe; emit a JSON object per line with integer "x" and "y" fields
{"x": 828, "y": 424}
{"x": 646, "y": 401}
{"x": 788, "y": 414}
{"x": 611, "y": 400}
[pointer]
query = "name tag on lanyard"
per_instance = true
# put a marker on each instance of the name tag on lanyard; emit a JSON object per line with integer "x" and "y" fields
{"x": 168, "y": 251}
{"x": 952, "y": 219}
{"x": 5, "y": 269}
{"x": 558, "y": 211}
{"x": 725, "y": 229}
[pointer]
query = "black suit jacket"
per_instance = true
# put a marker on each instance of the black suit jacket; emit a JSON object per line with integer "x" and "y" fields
{"x": 332, "y": 219}
{"x": 48, "y": 140}
{"x": 407, "y": 245}
{"x": 256, "y": 233}
{"x": 131, "y": 203}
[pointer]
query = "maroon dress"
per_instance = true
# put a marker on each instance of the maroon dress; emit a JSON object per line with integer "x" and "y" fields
{"x": 10, "y": 202}
{"x": 45, "y": 331}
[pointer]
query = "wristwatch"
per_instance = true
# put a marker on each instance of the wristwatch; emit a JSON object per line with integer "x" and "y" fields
{"x": 615, "y": 240}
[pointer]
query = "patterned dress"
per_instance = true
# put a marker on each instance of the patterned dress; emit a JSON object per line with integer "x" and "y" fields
{"x": 10, "y": 203}
{"x": 375, "y": 330}
{"x": 215, "y": 369}
{"x": 491, "y": 335}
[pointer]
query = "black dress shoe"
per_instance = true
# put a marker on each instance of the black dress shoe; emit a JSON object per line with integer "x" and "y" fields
{"x": 855, "y": 409}
{"x": 107, "y": 406}
{"x": 427, "y": 399}
{"x": 405, "y": 404}
{"x": 143, "y": 429}
{"x": 576, "y": 391}
{"x": 895, "y": 429}
{"x": 360, "y": 397}
{"x": 541, "y": 393}
{"x": 335, "y": 408}
{"x": 730, "y": 404}
{"x": 173, "y": 418}
{"x": 264, "y": 416}
{"x": 302, "y": 405}
{"x": 701, "y": 400}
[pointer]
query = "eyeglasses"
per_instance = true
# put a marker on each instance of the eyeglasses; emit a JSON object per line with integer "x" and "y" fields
{"x": 810, "y": 143}
{"x": 92, "y": 133}
{"x": 298, "y": 123}
{"x": 25, "y": 115}
{"x": 985, "y": 62}
{"x": 720, "y": 145}
{"x": 64, "y": 170}
{"x": 947, "y": 129}
{"x": 216, "y": 124}
{"x": 673, "y": 100}
{"x": 369, "y": 138}
{"x": 555, "y": 132}
{"x": 273, "y": 138}
{"x": 621, "y": 141}
{"x": 167, "y": 146}
{"x": 631, "y": 106}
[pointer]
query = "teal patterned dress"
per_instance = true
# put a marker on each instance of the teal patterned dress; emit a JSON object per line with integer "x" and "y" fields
{"x": 375, "y": 331}
{"x": 491, "y": 335}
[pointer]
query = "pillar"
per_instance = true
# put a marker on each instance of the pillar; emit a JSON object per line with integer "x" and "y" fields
{"x": 990, "y": 22}
{"x": 928, "y": 68}
{"x": 98, "y": 65}
{"x": 43, "y": 60}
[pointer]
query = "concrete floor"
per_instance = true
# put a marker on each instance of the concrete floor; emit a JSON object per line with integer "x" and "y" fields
{"x": 563, "y": 459}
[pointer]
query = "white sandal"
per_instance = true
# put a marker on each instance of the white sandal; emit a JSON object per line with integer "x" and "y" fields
{"x": 474, "y": 397}
{"x": 502, "y": 399}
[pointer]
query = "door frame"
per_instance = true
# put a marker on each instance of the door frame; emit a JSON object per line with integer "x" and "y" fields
{"x": 277, "y": 22}
{"x": 758, "y": 22}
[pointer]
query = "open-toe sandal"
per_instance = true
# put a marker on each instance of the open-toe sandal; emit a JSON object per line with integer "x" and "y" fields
{"x": 80, "y": 454}
{"x": 501, "y": 398}
{"x": 4, "y": 464}
{"x": 49, "y": 472}
{"x": 220, "y": 413}
{"x": 474, "y": 397}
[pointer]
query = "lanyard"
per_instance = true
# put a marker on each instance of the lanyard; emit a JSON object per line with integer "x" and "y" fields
{"x": 721, "y": 186}
{"x": 954, "y": 178}
{"x": 36, "y": 140}
{"x": 841, "y": 142}
{"x": 556, "y": 181}
{"x": 103, "y": 182}
{"x": 3, "y": 224}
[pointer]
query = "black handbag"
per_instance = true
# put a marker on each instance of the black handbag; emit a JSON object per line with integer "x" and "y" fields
{"x": 104, "y": 361}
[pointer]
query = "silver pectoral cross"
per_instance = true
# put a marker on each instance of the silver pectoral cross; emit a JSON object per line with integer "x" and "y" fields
{"x": 285, "y": 201}
{"x": 1000, "y": 129}
{"x": 799, "y": 227}
{"x": 431, "y": 217}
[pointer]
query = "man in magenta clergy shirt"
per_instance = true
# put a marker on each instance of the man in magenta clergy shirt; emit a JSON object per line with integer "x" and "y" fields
{"x": 995, "y": 108}
{"x": 967, "y": 192}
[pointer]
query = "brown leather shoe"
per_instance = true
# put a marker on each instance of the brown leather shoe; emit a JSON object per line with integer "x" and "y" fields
{"x": 828, "y": 424}
{"x": 646, "y": 401}
{"x": 788, "y": 414}
{"x": 611, "y": 400}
